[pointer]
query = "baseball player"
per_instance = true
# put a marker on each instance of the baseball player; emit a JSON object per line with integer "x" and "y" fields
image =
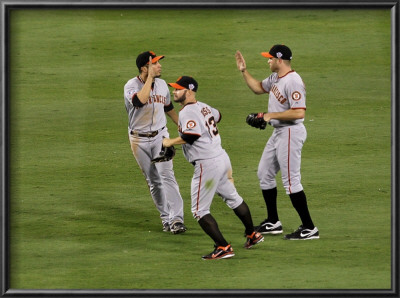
{"x": 147, "y": 99}
{"x": 286, "y": 112}
{"x": 201, "y": 145}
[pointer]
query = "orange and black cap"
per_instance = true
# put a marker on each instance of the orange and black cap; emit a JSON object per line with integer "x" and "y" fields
{"x": 278, "y": 51}
{"x": 143, "y": 58}
{"x": 185, "y": 82}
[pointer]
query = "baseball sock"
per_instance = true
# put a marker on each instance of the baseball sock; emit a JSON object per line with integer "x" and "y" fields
{"x": 243, "y": 212}
{"x": 270, "y": 196}
{"x": 299, "y": 202}
{"x": 210, "y": 226}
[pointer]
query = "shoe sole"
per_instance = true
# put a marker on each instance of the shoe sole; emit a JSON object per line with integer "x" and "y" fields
{"x": 223, "y": 257}
{"x": 180, "y": 231}
{"x": 272, "y": 232}
{"x": 308, "y": 238}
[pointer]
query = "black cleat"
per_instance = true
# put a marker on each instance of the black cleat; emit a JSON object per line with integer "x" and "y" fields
{"x": 267, "y": 227}
{"x": 220, "y": 252}
{"x": 253, "y": 239}
{"x": 303, "y": 234}
{"x": 178, "y": 228}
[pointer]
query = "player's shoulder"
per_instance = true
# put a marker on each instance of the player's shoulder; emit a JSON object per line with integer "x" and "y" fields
{"x": 292, "y": 78}
{"x": 134, "y": 82}
{"x": 200, "y": 104}
{"x": 190, "y": 107}
{"x": 294, "y": 75}
{"x": 272, "y": 77}
{"x": 160, "y": 81}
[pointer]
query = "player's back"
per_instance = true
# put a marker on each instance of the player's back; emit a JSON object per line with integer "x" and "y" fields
{"x": 201, "y": 120}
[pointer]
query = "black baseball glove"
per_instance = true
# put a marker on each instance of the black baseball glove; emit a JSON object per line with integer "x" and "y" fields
{"x": 166, "y": 154}
{"x": 256, "y": 120}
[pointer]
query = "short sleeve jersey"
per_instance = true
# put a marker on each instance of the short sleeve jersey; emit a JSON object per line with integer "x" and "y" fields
{"x": 201, "y": 120}
{"x": 150, "y": 116}
{"x": 287, "y": 92}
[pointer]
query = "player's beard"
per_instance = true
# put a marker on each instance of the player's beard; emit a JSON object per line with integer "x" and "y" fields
{"x": 182, "y": 98}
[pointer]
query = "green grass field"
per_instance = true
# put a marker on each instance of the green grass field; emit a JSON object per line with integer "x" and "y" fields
{"x": 81, "y": 216}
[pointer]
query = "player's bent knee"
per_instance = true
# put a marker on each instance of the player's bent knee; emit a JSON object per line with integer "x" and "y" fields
{"x": 267, "y": 184}
{"x": 233, "y": 202}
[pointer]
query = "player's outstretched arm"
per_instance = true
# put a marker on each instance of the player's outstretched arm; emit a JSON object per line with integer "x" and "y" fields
{"x": 171, "y": 142}
{"x": 251, "y": 82}
{"x": 288, "y": 115}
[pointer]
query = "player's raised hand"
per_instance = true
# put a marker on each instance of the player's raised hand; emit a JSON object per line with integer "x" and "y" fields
{"x": 151, "y": 72}
{"x": 240, "y": 62}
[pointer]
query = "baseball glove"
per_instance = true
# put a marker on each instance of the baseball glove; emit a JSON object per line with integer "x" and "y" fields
{"x": 166, "y": 154}
{"x": 256, "y": 120}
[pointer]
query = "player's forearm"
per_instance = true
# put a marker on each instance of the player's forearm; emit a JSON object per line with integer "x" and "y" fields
{"x": 289, "y": 115}
{"x": 252, "y": 83}
{"x": 174, "y": 117}
{"x": 144, "y": 94}
{"x": 171, "y": 142}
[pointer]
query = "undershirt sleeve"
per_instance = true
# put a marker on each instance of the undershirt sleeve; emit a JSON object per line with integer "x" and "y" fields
{"x": 136, "y": 102}
{"x": 189, "y": 138}
{"x": 168, "y": 107}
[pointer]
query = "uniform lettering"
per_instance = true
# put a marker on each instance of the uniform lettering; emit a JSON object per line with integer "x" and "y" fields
{"x": 279, "y": 97}
{"x": 157, "y": 99}
{"x": 212, "y": 126}
{"x": 205, "y": 111}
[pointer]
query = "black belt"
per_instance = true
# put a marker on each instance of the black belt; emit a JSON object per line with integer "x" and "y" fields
{"x": 150, "y": 134}
{"x": 194, "y": 163}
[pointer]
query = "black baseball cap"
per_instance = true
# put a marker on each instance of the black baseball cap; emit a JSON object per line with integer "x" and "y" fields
{"x": 185, "y": 82}
{"x": 143, "y": 58}
{"x": 278, "y": 51}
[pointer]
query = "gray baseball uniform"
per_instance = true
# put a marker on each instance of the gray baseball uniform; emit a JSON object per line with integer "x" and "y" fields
{"x": 147, "y": 128}
{"x": 213, "y": 170}
{"x": 283, "y": 149}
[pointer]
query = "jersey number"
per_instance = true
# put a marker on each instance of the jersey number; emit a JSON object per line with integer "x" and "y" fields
{"x": 213, "y": 129}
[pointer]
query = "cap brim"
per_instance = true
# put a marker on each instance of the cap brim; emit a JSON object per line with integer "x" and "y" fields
{"x": 176, "y": 86}
{"x": 155, "y": 59}
{"x": 266, "y": 55}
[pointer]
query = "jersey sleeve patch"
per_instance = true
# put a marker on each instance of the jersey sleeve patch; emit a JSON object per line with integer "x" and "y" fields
{"x": 296, "y": 95}
{"x": 191, "y": 124}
